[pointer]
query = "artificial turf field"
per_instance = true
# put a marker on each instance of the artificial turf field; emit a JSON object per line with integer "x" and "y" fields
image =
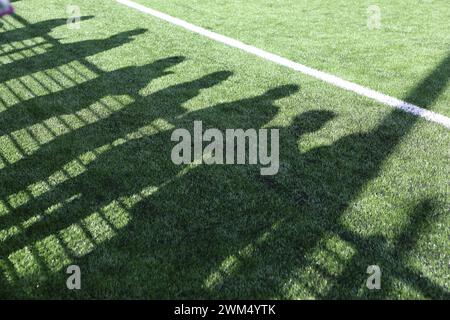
{"x": 86, "y": 117}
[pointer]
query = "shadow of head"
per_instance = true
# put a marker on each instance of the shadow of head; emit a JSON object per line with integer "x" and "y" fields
{"x": 142, "y": 75}
{"x": 281, "y": 92}
{"x": 157, "y": 65}
{"x": 311, "y": 121}
{"x": 187, "y": 90}
{"x": 128, "y": 35}
{"x": 48, "y": 25}
{"x": 44, "y": 27}
{"x": 169, "y": 62}
{"x": 212, "y": 79}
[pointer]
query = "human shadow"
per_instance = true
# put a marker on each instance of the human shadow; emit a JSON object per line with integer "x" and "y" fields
{"x": 432, "y": 86}
{"x": 146, "y": 162}
{"x": 71, "y": 100}
{"x": 67, "y": 101}
{"x": 63, "y": 54}
{"x": 34, "y": 30}
{"x": 165, "y": 104}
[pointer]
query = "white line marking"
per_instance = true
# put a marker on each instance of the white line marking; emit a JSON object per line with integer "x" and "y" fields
{"x": 326, "y": 77}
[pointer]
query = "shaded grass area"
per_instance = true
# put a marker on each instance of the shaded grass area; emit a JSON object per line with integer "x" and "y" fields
{"x": 86, "y": 176}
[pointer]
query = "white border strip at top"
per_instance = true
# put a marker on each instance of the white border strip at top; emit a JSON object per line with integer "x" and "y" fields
{"x": 329, "y": 78}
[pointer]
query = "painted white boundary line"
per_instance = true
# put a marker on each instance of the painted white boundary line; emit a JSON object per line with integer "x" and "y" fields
{"x": 326, "y": 77}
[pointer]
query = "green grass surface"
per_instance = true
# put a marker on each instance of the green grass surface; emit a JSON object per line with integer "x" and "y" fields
{"x": 86, "y": 177}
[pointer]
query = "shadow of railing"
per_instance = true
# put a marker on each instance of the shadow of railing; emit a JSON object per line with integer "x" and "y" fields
{"x": 44, "y": 111}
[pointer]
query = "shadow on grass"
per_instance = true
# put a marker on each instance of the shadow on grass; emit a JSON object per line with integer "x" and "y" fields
{"x": 35, "y": 30}
{"x": 151, "y": 229}
{"x": 125, "y": 81}
{"x": 63, "y": 54}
